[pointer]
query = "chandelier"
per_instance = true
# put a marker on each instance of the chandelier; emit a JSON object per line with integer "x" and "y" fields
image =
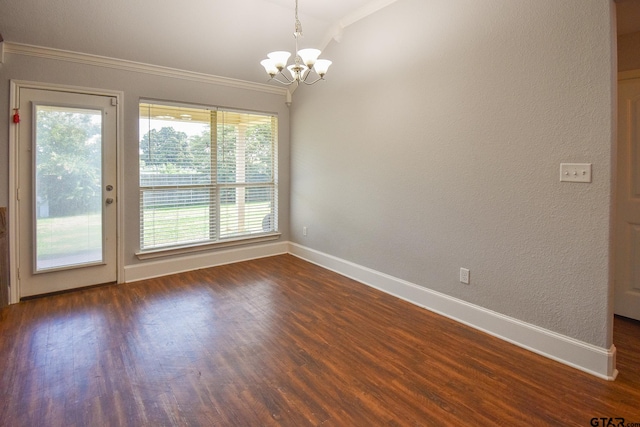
{"x": 306, "y": 61}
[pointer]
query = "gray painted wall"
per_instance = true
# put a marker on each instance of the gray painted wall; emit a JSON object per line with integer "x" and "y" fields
{"x": 435, "y": 144}
{"x": 136, "y": 86}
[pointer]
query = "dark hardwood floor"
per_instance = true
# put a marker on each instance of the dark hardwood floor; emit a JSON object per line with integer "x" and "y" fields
{"x": 279, "y": 341}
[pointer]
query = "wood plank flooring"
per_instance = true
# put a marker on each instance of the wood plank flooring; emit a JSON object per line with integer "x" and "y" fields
{"x": 281, "y": 342}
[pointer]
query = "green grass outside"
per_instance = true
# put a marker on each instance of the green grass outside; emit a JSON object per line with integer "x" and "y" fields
{"x": 74, "y": 234}
{"x": 71, "y": 235}
{"x": 68, "y": 235}
{"x": 191, "y": 224}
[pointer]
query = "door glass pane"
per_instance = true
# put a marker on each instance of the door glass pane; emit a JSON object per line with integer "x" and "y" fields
{"x": 68, "y": 187}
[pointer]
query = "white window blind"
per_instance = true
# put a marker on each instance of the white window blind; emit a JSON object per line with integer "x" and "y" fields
{"x": 199, "y": 186}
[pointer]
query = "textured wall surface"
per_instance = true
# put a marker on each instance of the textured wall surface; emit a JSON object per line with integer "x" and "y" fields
{"x": 136, "y": 86}
{"x": 435, "y": 144}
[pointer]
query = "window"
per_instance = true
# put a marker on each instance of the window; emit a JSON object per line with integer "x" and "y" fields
{"x": 199, "y": 186}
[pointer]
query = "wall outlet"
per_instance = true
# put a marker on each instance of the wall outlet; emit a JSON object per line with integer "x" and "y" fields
{"x": 304, "y": 231}
{"x": 464, "y": 276}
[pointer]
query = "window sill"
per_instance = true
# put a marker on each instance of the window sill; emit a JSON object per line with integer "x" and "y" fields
{"x": 177, "y": 250}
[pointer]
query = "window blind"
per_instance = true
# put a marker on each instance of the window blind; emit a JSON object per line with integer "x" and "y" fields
{"x": 199, "y": 185}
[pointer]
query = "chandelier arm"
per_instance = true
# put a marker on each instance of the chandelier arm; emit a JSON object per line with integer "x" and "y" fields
{"x": 286, "y": 82}
{"x": 313, "y": 82}
{"x": 285, "y": 77}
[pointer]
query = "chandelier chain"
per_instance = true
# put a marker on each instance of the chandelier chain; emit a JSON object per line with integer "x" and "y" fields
{"x": 298, "y": 27}
{"x": 305, "y": 61}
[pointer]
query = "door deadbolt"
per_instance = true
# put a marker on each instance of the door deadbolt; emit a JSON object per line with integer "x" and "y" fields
{"x": 109, "y": 187}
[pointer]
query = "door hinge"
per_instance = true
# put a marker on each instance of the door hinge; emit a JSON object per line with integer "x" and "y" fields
{"x": 114, "y": 101}
{"x": 18, "y": 194}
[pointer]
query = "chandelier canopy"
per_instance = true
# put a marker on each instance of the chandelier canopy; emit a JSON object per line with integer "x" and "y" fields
{"x": 306, "y": 61}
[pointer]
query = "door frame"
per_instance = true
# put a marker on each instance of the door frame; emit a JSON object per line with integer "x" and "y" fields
{"x": 622, "y": 75}
{"x": 13, "y": 219}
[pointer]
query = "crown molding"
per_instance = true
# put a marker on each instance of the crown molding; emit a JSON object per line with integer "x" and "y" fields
{"x": 336, "y": 30}
{"x": 364, "y": 11}
{"x": 137, "y": 67}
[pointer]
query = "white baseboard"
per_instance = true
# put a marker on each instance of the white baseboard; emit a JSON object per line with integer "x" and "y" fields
{"x": 149, "y": 270}
{"x": 583, "y": 356}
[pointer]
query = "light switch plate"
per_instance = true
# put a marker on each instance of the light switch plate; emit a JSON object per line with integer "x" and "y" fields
{"x": 575, "y": 172}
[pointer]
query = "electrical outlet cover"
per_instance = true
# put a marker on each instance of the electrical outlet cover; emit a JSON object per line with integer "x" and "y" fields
{"x": 464, "y": 275}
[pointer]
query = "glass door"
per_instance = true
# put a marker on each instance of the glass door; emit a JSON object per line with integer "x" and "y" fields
{"x": 67, "y": 192}
{"x": 67, "y": 187}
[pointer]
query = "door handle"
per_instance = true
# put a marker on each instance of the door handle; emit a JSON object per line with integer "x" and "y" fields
{"x": 109, "y": 201}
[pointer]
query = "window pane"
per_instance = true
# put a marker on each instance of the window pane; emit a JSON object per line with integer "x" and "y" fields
{"x": 245, "y": 148}
{"x": 198, "y": 187}
{"x": 175, "y": 145}
{"x": 176, "y": 216}
{"x": 246, "y": 210}
{"x": 68, "y": 187}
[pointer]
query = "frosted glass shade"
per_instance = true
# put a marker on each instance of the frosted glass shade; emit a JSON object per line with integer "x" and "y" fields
{"x": 279, "y": 58}
{"x": 269, "y": 67}
{"x": 321, "y": 66}
{"x": 309, "y": 56}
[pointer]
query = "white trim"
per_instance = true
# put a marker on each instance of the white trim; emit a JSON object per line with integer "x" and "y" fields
{"x": 335, "y": 32}
{"x": 149, "y": 270}
{"x": 364, "y": 11}
{"x": 580, "y": 355}
{"x": 138, "y": 67}
{"x": 13, "y": 220}
{"x": 120, "y": 186}
{"x": 158, "y": 253}
{"x": 627, "y": 75}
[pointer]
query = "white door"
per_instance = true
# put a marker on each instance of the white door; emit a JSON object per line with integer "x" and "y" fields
{"x": 66, "y": 191}
{"x": 627, "y": 237}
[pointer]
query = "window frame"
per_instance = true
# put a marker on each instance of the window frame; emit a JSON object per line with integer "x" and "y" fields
{"x": 215, "y": 186}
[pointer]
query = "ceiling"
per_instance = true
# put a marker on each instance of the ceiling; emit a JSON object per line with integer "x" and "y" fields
{"x": 218, "y": 37}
